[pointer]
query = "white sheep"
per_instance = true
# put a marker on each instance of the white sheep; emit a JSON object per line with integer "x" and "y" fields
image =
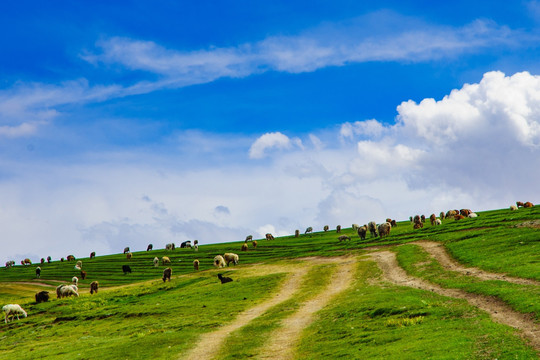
{"x": 473, "y": 215}
{"x": 75, "y": 280}
{"x": 230, "y": 257}
{"x": 355, "y": 227}
{"x": 66, "y": 291}
{"x": 11, "y": 310}
{"x": 156, "y": 262}
{"x": 438, "y": 222}
{"x": 219, "y": 261}
{"x": 79, "y": 264}
{"x": 513, "y": 207}
{"x": 77, "y": 267}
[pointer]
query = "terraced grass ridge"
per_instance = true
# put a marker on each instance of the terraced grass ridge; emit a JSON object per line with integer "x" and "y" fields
{"x": 466, "y": 289}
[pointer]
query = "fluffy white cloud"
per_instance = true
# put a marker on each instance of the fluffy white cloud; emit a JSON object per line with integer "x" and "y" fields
{"x": 275, "y": 140}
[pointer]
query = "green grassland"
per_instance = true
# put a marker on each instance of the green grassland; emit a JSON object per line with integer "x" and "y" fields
{"x": 138, "y": 316}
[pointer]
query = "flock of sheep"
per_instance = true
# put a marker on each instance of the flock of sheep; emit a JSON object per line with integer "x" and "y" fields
{"x": 220, "y": 261}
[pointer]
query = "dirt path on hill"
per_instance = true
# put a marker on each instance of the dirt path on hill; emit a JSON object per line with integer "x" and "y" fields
{"x": 439, "y": 253}
{"x": 284, "y": 340}
{"x": 210, "y": 343}
{"x": 499, "y": 311}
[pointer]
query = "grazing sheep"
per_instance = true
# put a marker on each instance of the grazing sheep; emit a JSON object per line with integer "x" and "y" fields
{"x": 249, "y": 238}
{"x": 384, "y": 229}
{"x": 156, "y": 262}
{"x": 42, "y": 261}
{"x": 362, "y": 232}
{"x": 70, "y": 258}
{"x": 170, "y": 246}
{"x": 326, "y": 228}
{"x": 393, "y": 223}
{"x": 8, "y": 264}
{"x": 423, "y": 218}
{"x": 196, "y": 245}
{"x": 269, "y": 236}
{"x": 61, "y": 259}
{"x": 185, "y": 244}
{"x": 22, "y": 262}
{"x": 418, "y": 225}
{"x": 129, "y": 256}
{"x": 459, "y": 217}
{"x": 126, "y": 269}
{"x": 254, "y": 243}
{"x": 438, "y": 222}
{"x": 372, "y": 227}
{"x": 244, "y": 247}
{"x": 451, "y": 213}
{"x": 473, "y": 215}
{"x": 338, "y": 229}
{"x": 38, "y": 272}
{"x": 416, "y": 219}
{"x": 355, "y": 227}
{"x": 513, "y": 207}
{"x": 92, "y": 254}
{"x": 231, "y": 258}
{"x": 410, "y": 218}
{"x": 196, "y": 264}
{"x": 224, "y": 279}
{"x": 149, "y": 247}
{"x": 167, "y": 274}
{"x": 519, "y": 204}
{"x": 165, "y": 260}
{"x": 343, "y": 238}
{"x": 83, "y": 274}
{"x": 94, "y": 285}
{"x": 441, "y": 215}
{"x": 528, "y": 204}
{"x": 296, "y": 233}
{"x": 63, "y": 291}
{"x": 219, "y": 261}
{"x": 27, "y": 261}
{"x": 75, "y": 280}
{"x": 79, "y": 264}
{"x": 77, "y": 267}
{"x": 42, "y": 296}
{"x": 432, "y": 218}
{"x": 126, "y": 249}
{"x": 465, "y": 212}
{"x": 12, "y": 310}
{"x": 308, "y": 230}
{"x": 49, "y": 259}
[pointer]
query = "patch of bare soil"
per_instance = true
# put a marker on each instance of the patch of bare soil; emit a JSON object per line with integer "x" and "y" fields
{"x": 499, "y": 311}
{"x": 535, "y": 224}
{"x": 210, "y": 343}
{"x": 439, "y": 253}
{"x": 283, "y": 341}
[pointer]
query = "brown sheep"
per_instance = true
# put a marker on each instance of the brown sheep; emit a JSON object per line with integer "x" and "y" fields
{"x": 388, "y": 220}
{"x": 42, "y": 260}
{"x": 94, "y": 285}
{"x": 528, "y": 204}
{"x": 129, "y": 256}
{"x": 269, "y": 236}
{"x": 416, "y": 219}
{"x": 126, "y": 249}
{"x": 362, "y": 231}
{"x": 519, "y": 204}
{"x": 465, "y": 212}
{"x": 418, "y": 225}
{"x": 254, "y": 243}
{"x": 326, "y": 228}
{"x": 83, "y": 274}
{"x": 70, "y": 258}
{"x": 196, "y": 264}
{"x": 338, "y": 229}
{"x": 343, "y": 238}
{"x": 432, "y": 219}
{"x": 296, "y": 233}
{"x": 167, "y": 274}
{"x": 384, "y": 229}
{"x": 423, "y": 218}
{"x": 27, "y": 261}
{"x": 244, "y": 247}
{"x": 393, "y": 223}
{"x": 441, "y": 215}
{"x": 459, "y": 217}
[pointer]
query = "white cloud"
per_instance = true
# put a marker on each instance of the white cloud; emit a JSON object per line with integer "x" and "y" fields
{"x": 275, "y": 140}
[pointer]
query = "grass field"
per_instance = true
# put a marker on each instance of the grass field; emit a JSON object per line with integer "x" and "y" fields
{"x": 136, "y": 316}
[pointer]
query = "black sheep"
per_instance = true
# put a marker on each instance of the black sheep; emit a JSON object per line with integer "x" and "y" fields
{"x": 42, "y": 296}
{"x": 126, "y": 269}
{"x": 224, "y": 279}
{"x": 167, "y": 274}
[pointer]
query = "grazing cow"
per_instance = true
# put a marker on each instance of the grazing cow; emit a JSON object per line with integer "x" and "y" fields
{"x": 224, "y": 279}
{"x": 126, "y": 269}
{"x": 338, "y": 229}
{"x": 38, "y": 272}
{"x": 126, "y": 249}
{"x": 149, "y": 247}
{"x": 186, "y": 244}
{"x": 94, "y": 285}
{"x": 42, "y": 296}
{"x": 92, "y": 254}
{"x": 167, "y": 274}
{"x": 269, "y": 236}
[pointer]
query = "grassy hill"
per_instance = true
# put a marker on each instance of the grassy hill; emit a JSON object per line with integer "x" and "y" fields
{"x": 138, "y": 316}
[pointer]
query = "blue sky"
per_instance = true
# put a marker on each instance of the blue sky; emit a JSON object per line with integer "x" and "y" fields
{"x": 136, "y": 122}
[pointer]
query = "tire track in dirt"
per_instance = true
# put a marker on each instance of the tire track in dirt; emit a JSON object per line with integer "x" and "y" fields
{"x": 210, "y": 343}
{"x": 283, "y": 341}
{"x": 439, "y": 253}
{"x": 499, "y": 311}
